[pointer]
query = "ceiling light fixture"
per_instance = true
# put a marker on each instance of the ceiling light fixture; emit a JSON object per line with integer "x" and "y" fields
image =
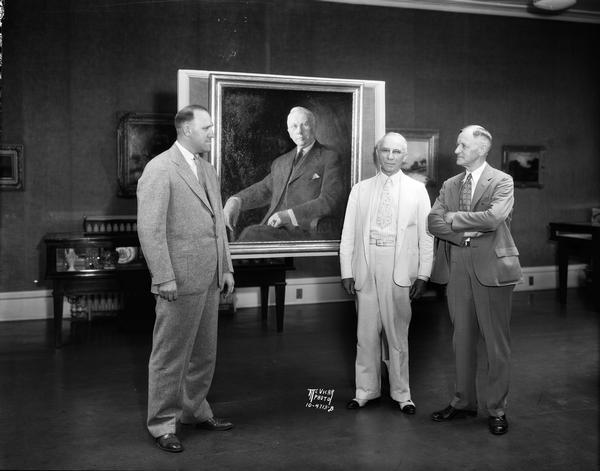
{"x": 553, "y": 5}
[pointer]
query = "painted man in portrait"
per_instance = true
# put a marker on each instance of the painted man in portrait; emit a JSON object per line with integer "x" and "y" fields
{"x": 304, "y": 190}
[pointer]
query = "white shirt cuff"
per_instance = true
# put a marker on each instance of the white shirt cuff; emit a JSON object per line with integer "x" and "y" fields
{"x": 293, "y": 217}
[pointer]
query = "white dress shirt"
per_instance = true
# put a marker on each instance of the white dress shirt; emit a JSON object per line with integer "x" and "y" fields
{"x": 189, "y": 158}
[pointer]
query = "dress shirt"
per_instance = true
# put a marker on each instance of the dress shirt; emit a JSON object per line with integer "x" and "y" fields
{"x": 189, "y": 158}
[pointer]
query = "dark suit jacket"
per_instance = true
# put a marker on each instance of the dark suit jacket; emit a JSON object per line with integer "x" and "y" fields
{"x": 315, "y": 188}
{"x": 180, "y": 224}
{"x": 495, "y": 256}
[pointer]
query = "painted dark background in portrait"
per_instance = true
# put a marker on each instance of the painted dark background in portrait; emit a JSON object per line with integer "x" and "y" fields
{"x": 254, "y": 133}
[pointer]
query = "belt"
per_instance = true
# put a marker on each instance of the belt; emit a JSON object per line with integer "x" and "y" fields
{"x": 382, "y": 242}
{"x": 466, "y": 242}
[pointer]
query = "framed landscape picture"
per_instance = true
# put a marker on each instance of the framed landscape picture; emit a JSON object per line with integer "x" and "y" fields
{"x": 421, "y": 161}
{"x": 140, "y": 138}
{"x": 524, "y": 164}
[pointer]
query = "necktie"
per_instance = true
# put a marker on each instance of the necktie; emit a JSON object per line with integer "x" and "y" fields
{"x": 199, "y": 174}
{"x": 298, "y": 157}
{"x": 384, "y": 211}
{"x": 465, "y": 195}
{"x": 197, "y": 164}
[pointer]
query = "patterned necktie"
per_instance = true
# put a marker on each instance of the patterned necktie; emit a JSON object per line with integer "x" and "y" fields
{"x": 465, "y": 195}
{"x": 384, "y": 211}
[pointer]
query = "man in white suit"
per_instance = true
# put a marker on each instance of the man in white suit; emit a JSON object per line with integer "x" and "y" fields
{"x": 182, "y": 234}
{"x": 386, "y": 256}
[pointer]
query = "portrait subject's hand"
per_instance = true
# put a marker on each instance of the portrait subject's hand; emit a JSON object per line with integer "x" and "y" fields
{"x": 417, "y": 289}
{"x": 168, "y": 290}
{"x": 228, "y": 283}
{"x": 348, "y": 284}
{"x": 449, "y": 216}
{"x": 231, "y": 211}
{"x": 280, "y": 218}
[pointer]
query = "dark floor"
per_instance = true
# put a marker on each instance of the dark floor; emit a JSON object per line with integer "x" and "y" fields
{"x": 83, "y": 407}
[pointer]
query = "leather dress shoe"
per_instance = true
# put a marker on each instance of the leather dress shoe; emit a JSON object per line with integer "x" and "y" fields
{"x": 450, "y": 413}
{"x": 169, "y": 442}
{"x": 409, "y": 409}
{"x": 215, "y": 425}
{"x": 498, "y": 425}
{"x": 354, "y": 404}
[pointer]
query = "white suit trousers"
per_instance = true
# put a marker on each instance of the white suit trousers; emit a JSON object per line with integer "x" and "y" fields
{"x": 384, "y": 315}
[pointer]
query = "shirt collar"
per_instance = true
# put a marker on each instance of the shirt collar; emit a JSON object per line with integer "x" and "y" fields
{"x": 475, "y": 174}
{"x": 189, "y": 157}
{"x": 305, "y": 150}
{"x": 395, "y": 178}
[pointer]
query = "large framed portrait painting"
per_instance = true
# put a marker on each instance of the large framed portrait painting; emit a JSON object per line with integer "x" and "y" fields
{"x": 254, "y": 154}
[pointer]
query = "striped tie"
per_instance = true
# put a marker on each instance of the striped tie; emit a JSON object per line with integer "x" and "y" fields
{"x": 465, "y": 195}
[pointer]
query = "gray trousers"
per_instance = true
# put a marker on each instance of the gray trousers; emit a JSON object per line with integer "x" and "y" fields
{"x": 182, "y": 362}
{"x": 474, "y": 309}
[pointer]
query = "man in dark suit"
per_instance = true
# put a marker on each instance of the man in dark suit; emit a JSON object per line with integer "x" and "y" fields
{"x": 304, "y": 191}
{"x": 477, "y": 257}
{"x": 182, "y": 235}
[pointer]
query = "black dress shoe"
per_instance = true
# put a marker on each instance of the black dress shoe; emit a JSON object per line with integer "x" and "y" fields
{"x": 450, "y": 413}
{"x": 215, "y": 425}
{"x": 353, "y": 404}
{"x": 409, "y": 409}
{"x": 169, "y": 442}
{"x": 498, "y": 425}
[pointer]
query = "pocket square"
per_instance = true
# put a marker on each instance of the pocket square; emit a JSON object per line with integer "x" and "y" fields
{"x": 315, "y": 176}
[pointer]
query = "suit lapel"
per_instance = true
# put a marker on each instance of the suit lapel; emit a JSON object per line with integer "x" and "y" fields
{"x": 185, "y": 172}
{"x": 482, "y": 184}
{"x": 315, "y": 153}
{"x": 404, "y": 197}
{"x": 210, "y": 189}
{"x": 281, "y": 178}
{"x": 454, "y": 197}
{"x": 366, "y": 203}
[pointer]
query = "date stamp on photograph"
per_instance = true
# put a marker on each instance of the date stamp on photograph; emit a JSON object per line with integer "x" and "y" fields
{"x": 321, "y": 399}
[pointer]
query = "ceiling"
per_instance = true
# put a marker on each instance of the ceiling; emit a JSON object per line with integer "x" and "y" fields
{"x": 584, "y": 11}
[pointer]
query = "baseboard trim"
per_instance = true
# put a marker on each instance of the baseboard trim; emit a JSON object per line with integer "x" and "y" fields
{"x": 37, "y": 304}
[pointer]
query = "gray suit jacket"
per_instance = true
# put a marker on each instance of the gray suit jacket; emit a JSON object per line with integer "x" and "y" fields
{"x": 180, "y": 224}
{"x": 495, "y": 256}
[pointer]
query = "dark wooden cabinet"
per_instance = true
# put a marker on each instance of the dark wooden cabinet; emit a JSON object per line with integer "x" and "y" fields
{"x": 83, "y": 264}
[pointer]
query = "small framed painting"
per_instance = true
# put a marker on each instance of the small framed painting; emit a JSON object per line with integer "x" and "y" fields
{"x": 11, "y": 167}
{"x": 524, "y": 164}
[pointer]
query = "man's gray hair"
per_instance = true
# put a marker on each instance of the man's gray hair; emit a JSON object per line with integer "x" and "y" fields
{"x": 482, "y": 133}
{"x": 394, "y": 134}
{"x": 300, "y": 109}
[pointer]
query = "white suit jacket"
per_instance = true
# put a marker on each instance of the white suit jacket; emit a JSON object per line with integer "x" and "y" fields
{"x": 413, "y": 255}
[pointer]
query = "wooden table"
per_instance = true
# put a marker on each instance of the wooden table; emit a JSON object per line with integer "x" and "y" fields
{"x": 576, "y": 238}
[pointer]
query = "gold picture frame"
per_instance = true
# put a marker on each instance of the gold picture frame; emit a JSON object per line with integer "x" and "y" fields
{"x": 250, "y": 111}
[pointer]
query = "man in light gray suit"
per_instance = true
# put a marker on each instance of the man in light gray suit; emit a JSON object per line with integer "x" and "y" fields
{"x": 182, "y": 235}
{"x": 477, "y": 257}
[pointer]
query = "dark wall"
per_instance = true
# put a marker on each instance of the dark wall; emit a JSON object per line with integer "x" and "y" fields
{"x": 70, "y": 68}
